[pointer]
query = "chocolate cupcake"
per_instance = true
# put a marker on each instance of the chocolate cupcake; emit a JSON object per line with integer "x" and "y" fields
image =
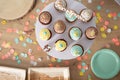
{"x": 45, "y": 34}
{"x": 60, "y": 5}
{"x": 91, "y": 33}
{"x": 45, "y": 18}
{"x": 59, "y": 26}
{"x": 60, "y": 45}
{"x": 86, "y": 15}
{"x": 70, "y": 17}
{"x": 77, "y": 50}
{"x": 75, "y": 33}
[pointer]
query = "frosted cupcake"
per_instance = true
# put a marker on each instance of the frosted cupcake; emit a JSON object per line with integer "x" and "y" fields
{"x": 77, "y": 50}
{"x": 45, "y": 18}
{"x": 59, "y": 26}
{"x": 75, "y": 33}
{"x": 60, "y": 45}
{"x": 45, "y": 34}
{"x": 70, "y": 17}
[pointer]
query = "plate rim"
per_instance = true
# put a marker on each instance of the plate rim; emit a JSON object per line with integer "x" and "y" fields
{"x": 116, "y": 58}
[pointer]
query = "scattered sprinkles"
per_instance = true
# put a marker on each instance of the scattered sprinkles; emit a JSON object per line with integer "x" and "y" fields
{"x": 24, "y": 39}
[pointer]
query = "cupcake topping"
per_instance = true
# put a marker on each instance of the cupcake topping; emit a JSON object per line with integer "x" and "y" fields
{"x": 75, "y": 33}
{"x": 59, "y": 26}
{"x": 60, "y": 45}
{"x": 45, "y": 34}
{"x": 76, "y": 50}
{"x": 86, "y": 15}
{"x": 45, "y": 17}
{"x": 60, "y": 5}
{"x": 70, "y": 16}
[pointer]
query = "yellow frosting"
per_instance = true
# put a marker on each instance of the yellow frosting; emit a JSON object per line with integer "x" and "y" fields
{"x": 45, "y": 34}
{"x": 60, "y": 45}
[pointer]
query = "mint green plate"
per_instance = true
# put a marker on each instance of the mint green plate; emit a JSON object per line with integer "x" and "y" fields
{"x": 105, "y": 64}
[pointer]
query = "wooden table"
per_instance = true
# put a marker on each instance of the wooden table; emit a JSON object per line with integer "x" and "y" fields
{"x": 20, "y": 25}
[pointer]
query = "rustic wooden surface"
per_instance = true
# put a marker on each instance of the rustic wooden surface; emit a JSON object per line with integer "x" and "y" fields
{"x": 98, "y": 44}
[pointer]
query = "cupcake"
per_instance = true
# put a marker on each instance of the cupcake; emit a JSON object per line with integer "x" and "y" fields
{"x": 59, "y": 26}
{"x": 45, "y": 18}
{"x": 45, "y": 34}
{"x": 86, "y": 15}
{"x": 70, "y": 17}
{"x": 77, "y": 50}
{"x": 91, "y": 33}
{"x": 75, "y": 33}
{"x": 60, "y": 45}
{"x": 60, "y": 5}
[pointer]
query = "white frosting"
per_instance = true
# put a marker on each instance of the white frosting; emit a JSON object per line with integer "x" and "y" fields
{"x": 86, "y": 15}
{"x": 60, "y": 4}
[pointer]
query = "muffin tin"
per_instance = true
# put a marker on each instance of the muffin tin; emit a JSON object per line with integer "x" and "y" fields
{"x": 57, "y": 15}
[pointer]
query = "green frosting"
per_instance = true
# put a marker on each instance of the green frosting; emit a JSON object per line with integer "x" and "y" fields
{"x": 76, "y": 50}
{"x": 75, "y": 33}
{"x": 70, "y": 17}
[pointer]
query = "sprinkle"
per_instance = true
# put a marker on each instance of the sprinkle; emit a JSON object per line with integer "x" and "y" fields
{"x": 27, "y": 23}
{"x": 30, "y": 50}
{"x": 79, "y": 58}
{"x": 103, "y": 35}
{"x": 39, "y": 59}
{"x": 118, "y": 14}
{"x": 32, "y": 16}
{"x": 0, "y": 48}
{"x": 109, "y": 15}
{"x": 85, "y": 67}
{"x": 89, "y": 1}
{"x": 83, "y": 63}
{"x": 38, "y": 48}
{"x": 115, "y": 27}
{"x": 24, "y": 44}
{"x": 109, "y": 30}
{"x": 106, "y": 23}
{"x": 21, "y": 37}
{"x": 37, "y": 10}
{"x": 89, "y": 51}
{"x": 114, "y": 18}
{"x": 53, "y": 59}
{"x": 3, "y": 57}
{"x": 117, "y": 44}
{"x": 102, "y": 3}
{"x": 50, "y": 65}
{"x": 32, "y": 57}
{"x": 81, "y": 73}
{"x": 12, "y": 50}
{"x": 16, "y": 57}
{"x": 89, "y": 77}
{"x": 83, "y": 70}
{"x": 3, "y": 22}
{"x": 59, "y": 60}
{"x": 9, "y": 30}
{"x": 99, "y": 7}
{"x": 102, "y": 29}
{"x": 35, "y": 64}
{"x": 115, "y": 40}
{"x": 19, "y": 61}
{"x": 29, "y": 40}
{"x": 79, "y": 66}
{"x": 15, "y": 53}
{"x": 16, "y": 40}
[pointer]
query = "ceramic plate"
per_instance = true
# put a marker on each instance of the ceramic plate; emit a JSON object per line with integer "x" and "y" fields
{"x": 105, "y": 64}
